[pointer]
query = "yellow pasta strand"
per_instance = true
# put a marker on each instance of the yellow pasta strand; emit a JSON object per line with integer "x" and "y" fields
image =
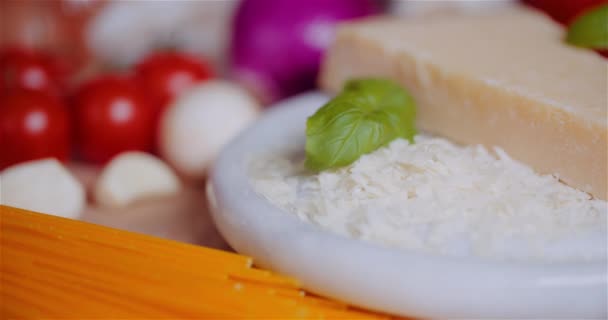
{"x": 59, "y": 268}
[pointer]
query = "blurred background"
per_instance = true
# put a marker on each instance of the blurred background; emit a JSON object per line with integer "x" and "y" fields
{"x": 85, "y": 81}
{"x": 276, "y": 42}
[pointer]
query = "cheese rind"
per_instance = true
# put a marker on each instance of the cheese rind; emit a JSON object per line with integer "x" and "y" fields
{"x": 504, "y": 80}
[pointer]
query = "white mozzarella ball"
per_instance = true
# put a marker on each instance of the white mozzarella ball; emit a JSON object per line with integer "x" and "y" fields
{"x": 44, "y": 186}
{"x": 200, "y": 122}
{"x": 132, "y": 176}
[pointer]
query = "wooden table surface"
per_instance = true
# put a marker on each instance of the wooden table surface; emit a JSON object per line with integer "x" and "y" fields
{"x": 183, "y": 217}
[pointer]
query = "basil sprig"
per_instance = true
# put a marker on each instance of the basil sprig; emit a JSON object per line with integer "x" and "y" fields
{"x": 366, "y": 115}
{"x": 590, "y": 30}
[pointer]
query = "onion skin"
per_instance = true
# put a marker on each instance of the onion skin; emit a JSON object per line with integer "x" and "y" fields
{"x": 276, "y": 45}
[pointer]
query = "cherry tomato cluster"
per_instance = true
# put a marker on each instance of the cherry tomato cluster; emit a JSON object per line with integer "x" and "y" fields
{"x": 41, "y": 115}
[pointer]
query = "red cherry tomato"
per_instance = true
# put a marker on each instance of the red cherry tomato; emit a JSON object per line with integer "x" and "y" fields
{"x": 27, "y": 69}
{"x": 564, "y": 10}
{"x": 33, "y": 125}
{"x": 167, "y": 74}
{"x": 112, "y": 115}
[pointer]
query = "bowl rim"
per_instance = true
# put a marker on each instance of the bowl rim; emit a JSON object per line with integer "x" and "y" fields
{"x": 282, "y": 242}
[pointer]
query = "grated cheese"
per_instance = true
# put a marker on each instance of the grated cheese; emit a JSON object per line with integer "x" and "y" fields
{"x": 438, "y": 197}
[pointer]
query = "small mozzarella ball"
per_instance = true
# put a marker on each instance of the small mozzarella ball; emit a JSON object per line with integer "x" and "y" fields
{"x": 200, "y": 122}
{"x": 44, "y": 186}
{"x": 131, "y": 176}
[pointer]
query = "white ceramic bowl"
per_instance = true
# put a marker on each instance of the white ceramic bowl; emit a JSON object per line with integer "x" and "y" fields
{"x": 379, "y": 278}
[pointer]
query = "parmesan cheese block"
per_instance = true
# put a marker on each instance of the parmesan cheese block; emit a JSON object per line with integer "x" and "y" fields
{"x": 504, "y": 79}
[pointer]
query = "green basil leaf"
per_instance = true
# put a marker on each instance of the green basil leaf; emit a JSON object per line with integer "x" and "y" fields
{"x": 590, "y": 30}
{"x": 368, "y": 114}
